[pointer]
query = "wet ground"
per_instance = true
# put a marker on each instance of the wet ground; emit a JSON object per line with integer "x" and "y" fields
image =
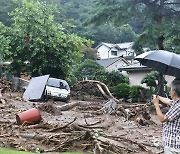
{"x": 128, "y": 133}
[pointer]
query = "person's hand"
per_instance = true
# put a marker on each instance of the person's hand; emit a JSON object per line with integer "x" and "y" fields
{"x": 155, "y": 100}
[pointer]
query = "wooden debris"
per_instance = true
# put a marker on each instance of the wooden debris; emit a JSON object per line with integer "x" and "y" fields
{"x": 33, "y": 136}
{"x": 141, "y": 145}
{"x": 2, "y": 100}
{"x": 68, "y": 106}
{"x": 95, "y": 88}
{"x": 5, "y": 85}
{"x": 67, "y": 142}
{"x": 109, "y": 107}
{"x": 62, "y": 127}
{"x": 40, "y": 125}
{"x": 49, "y": 107}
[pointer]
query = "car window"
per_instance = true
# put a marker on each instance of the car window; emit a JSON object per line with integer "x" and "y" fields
{"x": 58, "y": 83}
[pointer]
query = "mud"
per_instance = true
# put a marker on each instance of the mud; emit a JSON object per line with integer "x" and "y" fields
{"x": 78, "y": 129}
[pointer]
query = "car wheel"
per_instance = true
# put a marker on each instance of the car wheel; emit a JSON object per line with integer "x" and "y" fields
{"x": 67, "y": 99}
{"x": 45, "y": 96}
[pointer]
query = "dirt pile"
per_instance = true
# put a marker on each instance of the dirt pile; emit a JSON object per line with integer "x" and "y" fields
{"x": 5, "y": 85}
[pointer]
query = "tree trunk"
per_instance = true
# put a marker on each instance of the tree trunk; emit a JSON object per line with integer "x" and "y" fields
{"x": 160, "y": 75}
{"x": 161, "y": 42}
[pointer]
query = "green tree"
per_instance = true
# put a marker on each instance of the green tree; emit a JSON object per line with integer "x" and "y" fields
{"x": 109, "y": 33}
{"x": 151, "y": 80}
{"x": 39, "y": 45}
{"x": 4, "y": 40}
{"x": 115, "y": 77}
{"x": 126, "y": 34}
{"x": 158, "y": 17}
{"x": 88, "y": 69}
{"x": 72, "y": 14}
{"x": 5, "y": 7}
{"x": 91, "y": 70}
{"x": 89, "y": 53}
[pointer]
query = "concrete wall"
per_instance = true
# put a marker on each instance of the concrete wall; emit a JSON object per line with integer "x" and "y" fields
{"x": 19, "y": 84}
{"x": 135, "y": 78}
{"x": 169, "y": 79}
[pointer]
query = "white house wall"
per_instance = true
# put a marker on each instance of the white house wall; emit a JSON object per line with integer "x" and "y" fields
{"x": 121, "y": 52}
{"x": 104, "y": 52}
{"x": 136, "y": 77}
{"x": 115, "y": 66}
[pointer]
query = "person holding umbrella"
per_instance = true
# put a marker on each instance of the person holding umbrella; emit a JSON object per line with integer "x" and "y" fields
{"x": 170, "y": 120}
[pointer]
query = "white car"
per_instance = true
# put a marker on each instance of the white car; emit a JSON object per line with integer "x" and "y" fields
{"x": 57, "y": 89}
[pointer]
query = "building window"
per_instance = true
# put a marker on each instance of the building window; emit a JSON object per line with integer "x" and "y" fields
{"x": 114, "y": 53}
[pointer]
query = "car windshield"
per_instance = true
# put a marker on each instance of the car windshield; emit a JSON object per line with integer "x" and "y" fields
{"x": 58, "y": 83}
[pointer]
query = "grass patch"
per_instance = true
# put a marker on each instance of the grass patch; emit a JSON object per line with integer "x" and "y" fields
{"x": 71, "y": 153}
{"x": 11, "y": 151}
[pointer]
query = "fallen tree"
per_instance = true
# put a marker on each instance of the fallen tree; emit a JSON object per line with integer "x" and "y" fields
{"x": 112, "y": 105}
{"x": 93, "y": 87}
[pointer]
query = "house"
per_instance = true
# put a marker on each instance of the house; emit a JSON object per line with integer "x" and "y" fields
{"x": 111, "y": 64}
{"x": 137, "y": 72}
{"x": 108, "y": 50}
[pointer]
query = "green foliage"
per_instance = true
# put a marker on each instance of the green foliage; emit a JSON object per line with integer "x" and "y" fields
{"x": 91, "y": 70}
{"x": 75, "y": 13}
{"x": 89, "y": 53}
{"x": 115, "y": 77}
{"x": 122, "y": 90}
{"x": 135, "y": 92}
{"x": 88, "y": 69}
{"x": 158, "y": 20}
{"x": 173, "y": 40}
{"x": 4, "y": 40}
{"x": 126, "y": 34}
{"x": 5, "y": 7}
{"x": 72, "y": 14}
{"x": 111, "y": 78}
{"x": 150, "y": 79}
{"x": 11, "y": 151}
{"x": 39, "y": 45}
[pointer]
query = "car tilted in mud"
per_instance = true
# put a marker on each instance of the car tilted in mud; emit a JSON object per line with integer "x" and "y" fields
{"x": 57, "y": 89}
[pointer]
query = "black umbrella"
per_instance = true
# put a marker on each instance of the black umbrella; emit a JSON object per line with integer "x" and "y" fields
{"x": 163, "y": 61}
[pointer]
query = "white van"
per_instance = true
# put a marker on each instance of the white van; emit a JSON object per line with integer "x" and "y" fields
{"x": 57, "y": 89}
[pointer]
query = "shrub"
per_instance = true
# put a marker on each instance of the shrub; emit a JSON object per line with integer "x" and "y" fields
{"x": 136, "y": 95}
{"x": 135, "y": 92}
{"x": 151, "y": 81}
{"x": 122, "y": 90}
{"x": 111, "y": 78}
{"x": 88, "y": 69}
{"x": 94, "y": 71}
{"x": 115, "y": 77}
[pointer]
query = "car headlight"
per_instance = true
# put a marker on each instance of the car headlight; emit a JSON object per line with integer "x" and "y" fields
{"x": 48, "y": 92}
